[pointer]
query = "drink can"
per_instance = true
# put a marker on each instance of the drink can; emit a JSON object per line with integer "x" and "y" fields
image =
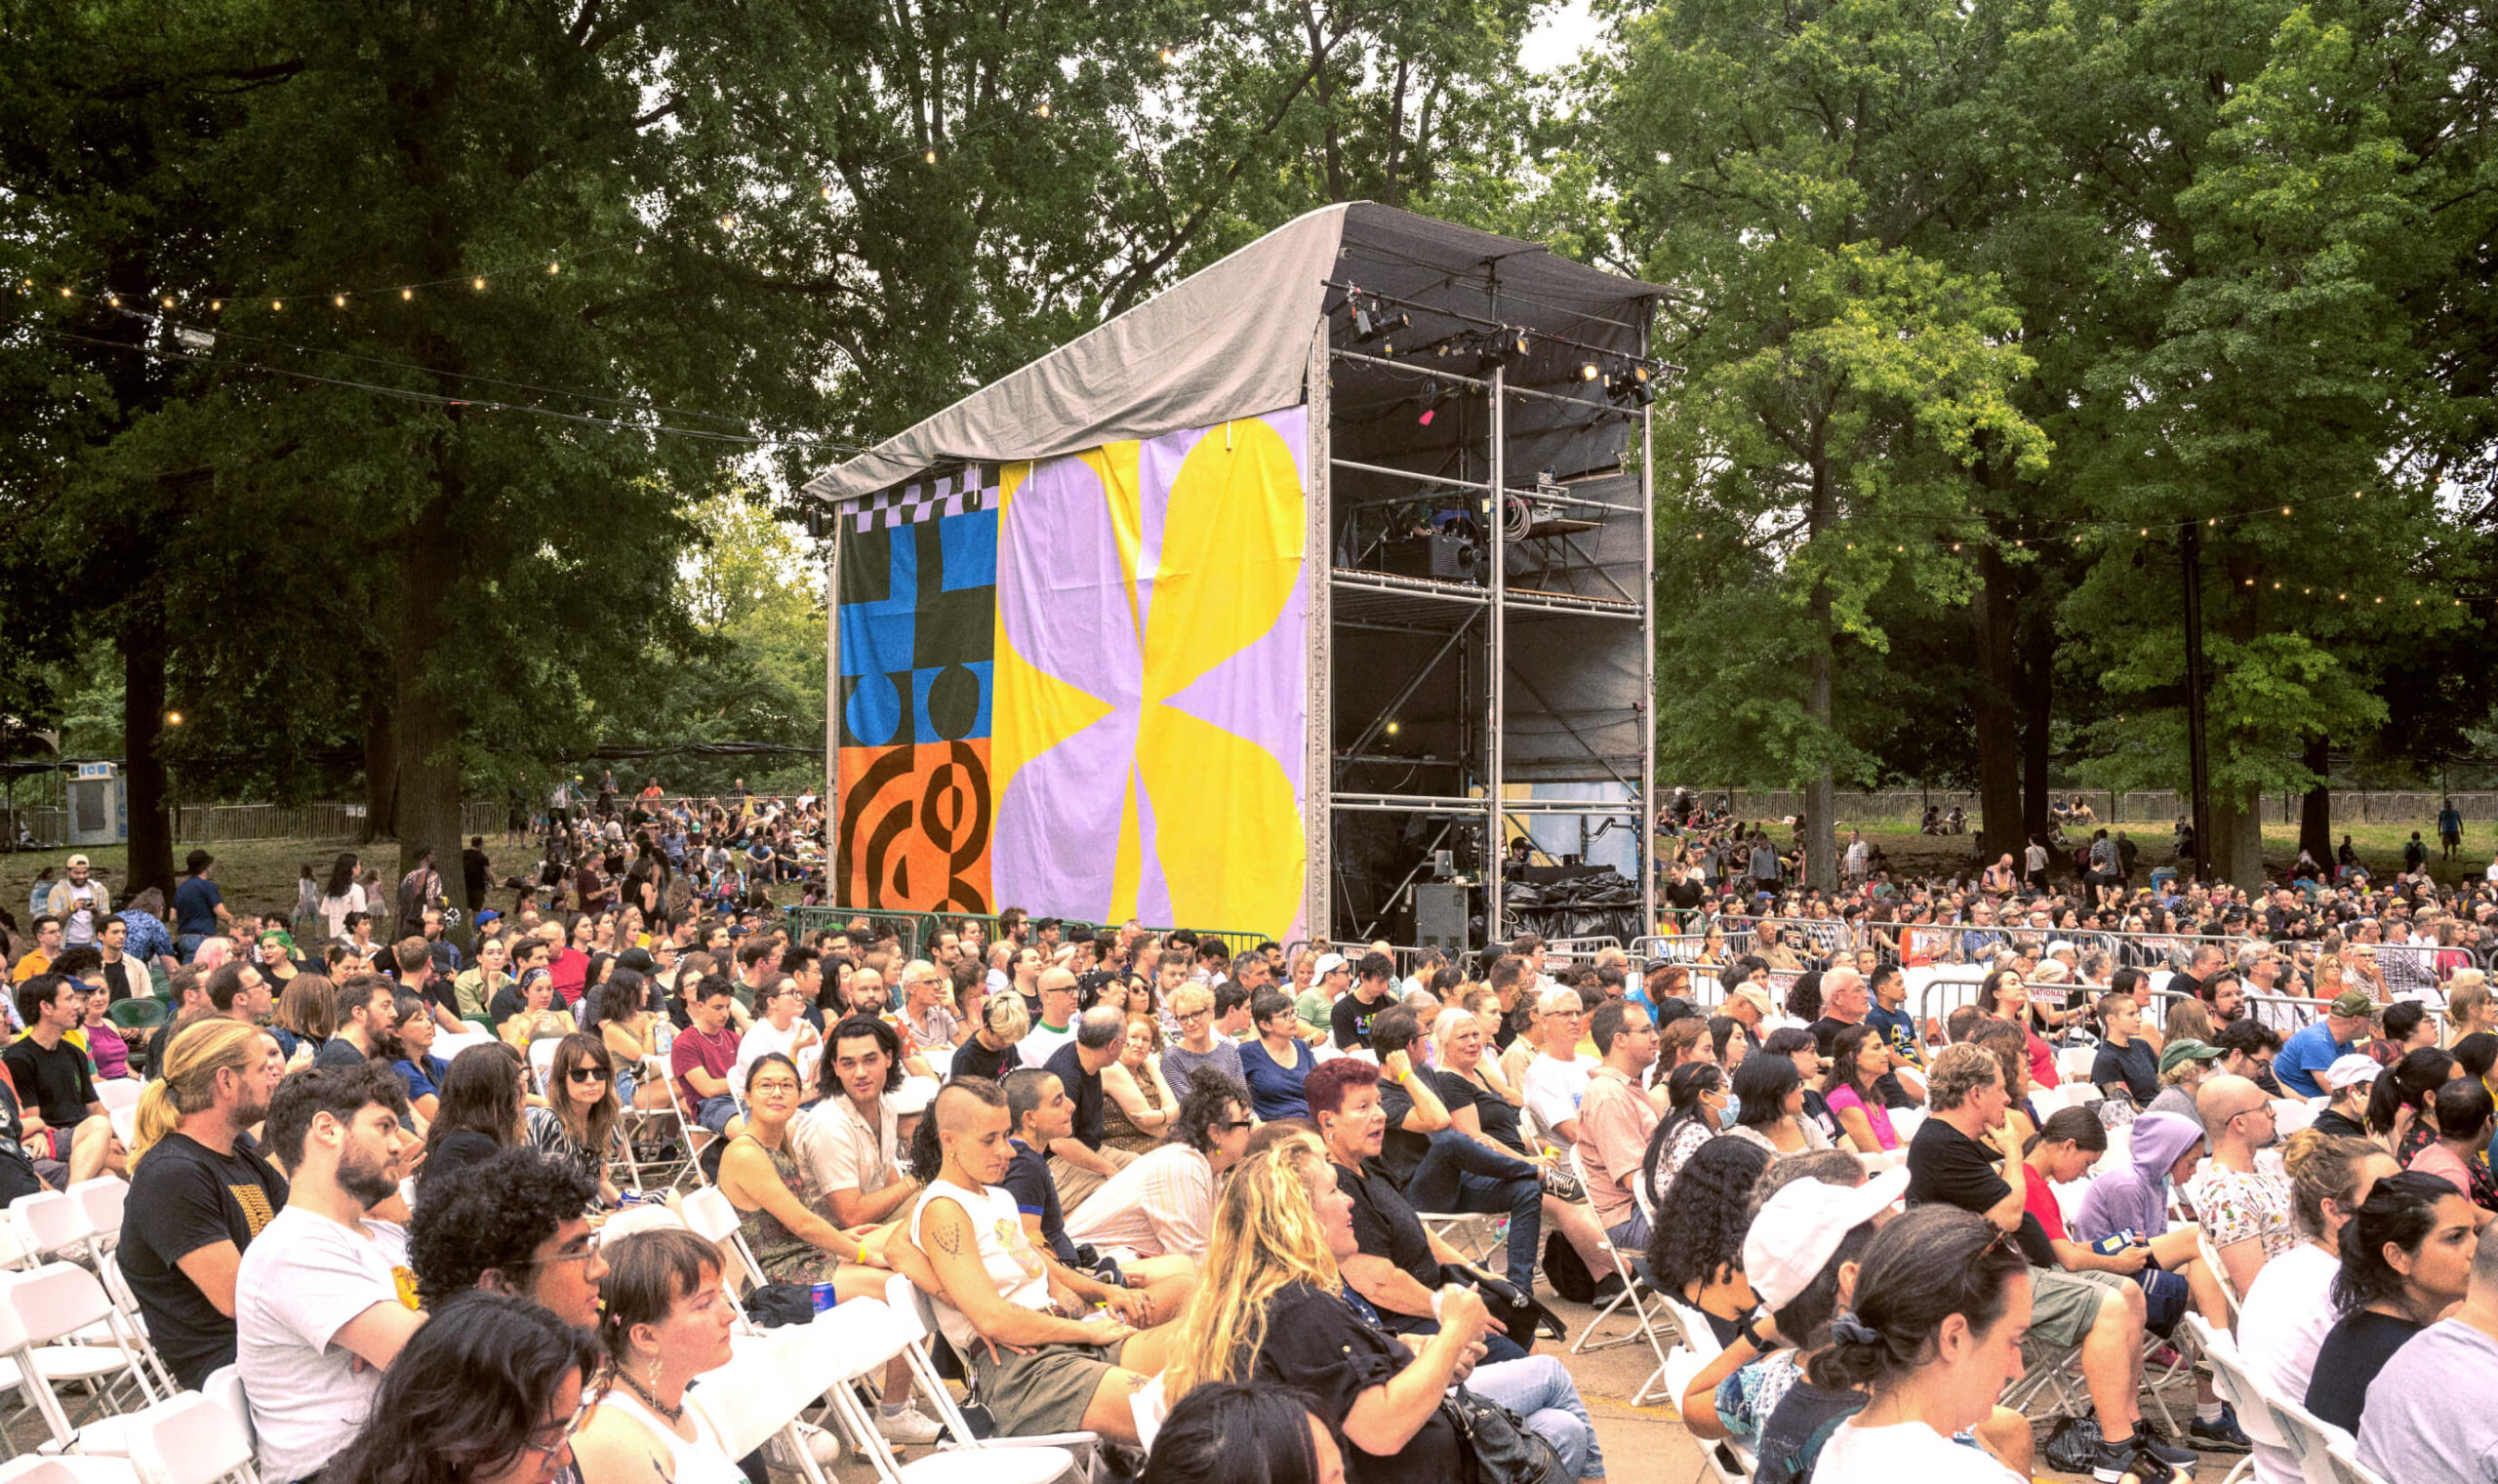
{"x": 824, "y": 1297}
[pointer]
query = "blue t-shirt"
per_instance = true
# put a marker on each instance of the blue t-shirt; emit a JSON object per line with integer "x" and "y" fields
{"x": 2310, "y": 1049}
{"x": 1275, "y": 1090}
{"x": 1028, "y": 1180}
{"x": 195, "y": 902}
{"x": 423, "y": 1081}
{"x": 1896, "y": 1027}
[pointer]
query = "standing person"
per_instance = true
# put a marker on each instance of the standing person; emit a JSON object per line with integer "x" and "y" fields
{"x": 2449, "y": 831}
{"x": 199, "y": 907}
{"x": 342, "y": 894}
{"x": 1932, "y": 1332}
{"x": 81, "y": 901}
{"x": 199, "y": 1190}
{"x": 476, "y": 872}
{"x": 323, "y": 1299}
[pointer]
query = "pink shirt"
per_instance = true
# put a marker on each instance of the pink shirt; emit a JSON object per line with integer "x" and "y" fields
{"x": 1615, "y": 1121}
{"x": 1875, "y": 1113}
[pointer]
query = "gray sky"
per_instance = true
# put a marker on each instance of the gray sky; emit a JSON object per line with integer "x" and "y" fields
{"x": 1565, "y": 30}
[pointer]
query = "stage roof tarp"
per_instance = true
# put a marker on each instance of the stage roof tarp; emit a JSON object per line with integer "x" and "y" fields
{"x": 1232, "y": 340}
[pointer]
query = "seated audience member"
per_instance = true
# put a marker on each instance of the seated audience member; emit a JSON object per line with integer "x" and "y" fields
{"x": 512, "y": 1224}
{"x": 2401, "y": 1106}
{"x": 1163, "y": 1204}
{"x": 1037, "y": 1373}
{"x": 1797, "y": 1046}
{"x": 412, "y": 1057}
{"x": 1731, "y": 1396}
{"x": 1480, "y": 1108}
{"x": 1696, "y": 1099}
{"x": 779, "y": 1025}
{"x": 2322, "y": 1042}
{"x": 1054, "y": 1028}
{"x": 2163, "y": 1149}
{"x": 2125, "y": 1053}
{"x": 2062, "y": 1151}
{"x": 199, "y": 1191}
{"x": 1769, "y": 1105}
{"x": 2428, "y": 1418}
{"x": 2245, "y": 1209}
{"x": 1554, "y": 1080}
{"x": 1227, "y": 1433}
{"x": 1275, "y": 1311}
{"x": 1860, "y": 1059}
{"x": 63, "y": 1117}
{"x": 485, "y": 1393}
{"x": 1967, "y": 1154}
{"x": 995, "y": 1048}
{"x": 1081, "y": 1161}
{"x": 1146, "y": 1290}
{"x": 849, "y": 1145}
{"x": 320, "y": 1306}
{"x": 1696, "y": 1251}
{"x": 2347, "y": 1083}
{"x": 581, "y": 1124}
{"x": 1138, "y": 1103}
{"x": 703, "y": 1055}
{"x": 2290, "y": 1309}
{"x": 478, "y": 1115}
{"x": 1275, "y": 1063}
{"x": 2455, "y": 1155}
{"x": 1438, "y": 1167}
{"x": 2184, "y": 1064}
{"x": 1397, "y": 1266}
{"x": 537, "y": 1016}
{"x": 367, "y": 1013}
{"x": 665, "y": 1319}
{"x": 1201, "y": 1045}
{"x": 1931, "y": 1332}
{"x": 1616, "y": 1118}
{"x": 2406, "y": 1259}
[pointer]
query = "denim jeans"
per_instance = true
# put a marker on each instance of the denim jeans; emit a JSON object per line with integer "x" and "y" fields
{"x": 1459, "y": 1174}
{"x": 1539, "y": 1390}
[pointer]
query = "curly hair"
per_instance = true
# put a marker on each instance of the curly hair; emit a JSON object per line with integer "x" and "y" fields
{"x": 1205, "y": 1110}
{"x": 1698, "y": 1234}
{"x": 495, "y": 1215}
{"x": 1956, "y": 1072}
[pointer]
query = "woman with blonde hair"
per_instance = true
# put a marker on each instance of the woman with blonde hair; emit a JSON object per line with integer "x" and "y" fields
{"x": 1269, "y": 1311}
{"x": 2469, "y": 1006}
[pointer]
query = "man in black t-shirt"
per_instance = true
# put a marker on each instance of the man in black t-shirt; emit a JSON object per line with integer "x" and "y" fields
{"x": 1079, "y": 1162}
{"x": 20, "y": 1173}
{"x": 65, "y": 1118}
{"x": 1844, "y": 1003}
{"x": 199, "y": 1195}
{"x": 1349, "y": 1021}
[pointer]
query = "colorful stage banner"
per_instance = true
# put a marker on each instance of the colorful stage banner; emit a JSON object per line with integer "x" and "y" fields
{"x": 1080, "y": 686}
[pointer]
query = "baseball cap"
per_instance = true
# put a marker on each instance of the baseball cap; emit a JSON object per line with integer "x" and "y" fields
{"x": 2061, "y": 947}
{"x": 2187, "y": 1049}
{"x": 2353, "y": 1004}
{"x": 1800, "y": 1228}
{"x": 2350, "y": 1071}
{"x": 1328, "y": 963}
{"x": 78, "y": 861}
{"x": 1754, "y": 996}
{"x": 486, "y": 915}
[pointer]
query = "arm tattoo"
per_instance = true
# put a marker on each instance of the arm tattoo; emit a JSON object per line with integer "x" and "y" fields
{"x": 948, "y": 1235}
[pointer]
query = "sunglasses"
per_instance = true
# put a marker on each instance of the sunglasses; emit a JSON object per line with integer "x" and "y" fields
{"x": 587, "y": 1074}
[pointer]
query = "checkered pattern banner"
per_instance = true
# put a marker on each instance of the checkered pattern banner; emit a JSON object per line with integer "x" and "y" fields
{"x": 966, "y": 490}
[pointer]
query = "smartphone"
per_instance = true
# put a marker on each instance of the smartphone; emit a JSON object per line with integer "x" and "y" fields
{"x": 2149, "y": 1468}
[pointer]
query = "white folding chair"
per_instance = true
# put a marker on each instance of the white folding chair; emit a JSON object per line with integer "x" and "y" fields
{"x": 1644, "y": 1327}
{"x": 2342, "y": 1463}
{"x": 854, "y": 1340}
{"x": 710, "y": 1217}
{"x": 2239, "y": 1387}
{"x": 51, "y": 1220}
{"x": 44, "y": 1307}
{"x": 914, "y": 1321}
{"x": 2211, "y": 1257}
{"x": 2307, "y": 1438}
{"x": 102, "y": 1199}
{"x": 1727, "y": 1461}
{"x": 67, "y": 1468}
{"x": 126, "y": 1300}
{"x": 760, "y": 1395}
{"x": 542, "y": 1062}
{"x": 189, "y": 1439}
{"x": 225, "y": 1386}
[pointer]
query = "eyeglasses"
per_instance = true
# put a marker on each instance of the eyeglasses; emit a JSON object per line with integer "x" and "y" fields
{"x": 589, "y": 1249}
{"x": 777, "y": 1085}
{"x": 587, "y": 1074}
{"x": 1194, "y": 1016}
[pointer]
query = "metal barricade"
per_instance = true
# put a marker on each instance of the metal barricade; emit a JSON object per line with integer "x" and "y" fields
{"x": 1956, "y": 985}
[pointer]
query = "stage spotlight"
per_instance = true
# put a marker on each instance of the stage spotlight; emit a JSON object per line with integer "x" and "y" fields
{"x": 1634, "y": 384}
{"x": 1505, "y": 345}
{"x": 1589, "y": 371}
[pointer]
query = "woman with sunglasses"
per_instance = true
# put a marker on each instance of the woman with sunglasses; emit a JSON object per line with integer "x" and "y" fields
{"x": 582, "y": 1124}
{"x": 486, "y": 1392}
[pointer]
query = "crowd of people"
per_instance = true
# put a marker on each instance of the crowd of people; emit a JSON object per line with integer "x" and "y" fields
{"x": 1114, "y": 1159}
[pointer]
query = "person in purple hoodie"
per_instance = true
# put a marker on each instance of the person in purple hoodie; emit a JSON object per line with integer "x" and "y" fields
{"x": 2131, "y": 1203}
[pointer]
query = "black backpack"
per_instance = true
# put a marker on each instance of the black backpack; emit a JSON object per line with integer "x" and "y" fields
{"x": 1567, "y": 1272}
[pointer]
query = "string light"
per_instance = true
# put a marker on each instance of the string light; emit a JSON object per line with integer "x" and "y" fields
{"x": 2285, "y": 509}
{"x": 216, "y": 306}
{"x": 112, "y": 300}
{"x": 478, "y": 284}
{"x": 277, "y": 303}
{"x": 407, "y": 292}
{"x": 932, "y": 157}
{"x": 1043, "y": 110}
{"x": 168, "y": 300}
{"x": 338, "y": 301}
{"x": 1166, "y": 56}
{"x": 64, "y": 291}
{"x": 826, "y": 193}
{"x": 555, "y": 267}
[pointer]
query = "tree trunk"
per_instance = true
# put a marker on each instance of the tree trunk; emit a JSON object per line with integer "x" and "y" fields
{"x": 426, "y": 726}
{"x": 2238, "y": 837}
{"x": 2316, "y": 808}
{"x": 1821, "y": 791}
{"x": 2037, "y": 697}
{"x": 143, "y": 643}
{"x": 381, "y": 762}
{"x": 1998, "y": 723}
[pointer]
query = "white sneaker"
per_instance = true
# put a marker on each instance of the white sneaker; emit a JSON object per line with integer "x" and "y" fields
{"x": 821, "y": 1445}
{"x": 909, "y": 1425}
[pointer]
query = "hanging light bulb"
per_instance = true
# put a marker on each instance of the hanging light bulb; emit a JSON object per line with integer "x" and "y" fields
{"x": 277, "y": 303}
{"x": 1166, "y": 56}
{"x": 478, "y": 284}
{"x": 407, "y": 292}
{"x": 112, "y": 300}
{"x": 168, "y": 300}
{"x": 932, "y": 157}
{"x": 216, "y": 306}
{"x": 1043, "y": 110}
{"x": 555, "y": 267}
{"x": 337, "y": 302}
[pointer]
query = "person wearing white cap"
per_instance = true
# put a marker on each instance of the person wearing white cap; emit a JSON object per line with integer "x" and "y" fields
{"x": 2347, "y": 1082}
{"x": 80, "y": 902}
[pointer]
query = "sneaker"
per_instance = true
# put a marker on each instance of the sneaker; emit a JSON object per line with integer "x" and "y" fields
{"x": 1608, "y": 1289}
{"x": 822, "y": 1446}
{"x": 909, "y": 1425}
{"x": 2113, "y": 1459}
{"x": 2223, "y": 1436}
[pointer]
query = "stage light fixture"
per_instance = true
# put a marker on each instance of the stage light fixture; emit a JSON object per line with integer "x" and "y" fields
{"x": 1589, "y": 371}
{"x": 1634, "y": 384}
{"x": 1504, "y": 345}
